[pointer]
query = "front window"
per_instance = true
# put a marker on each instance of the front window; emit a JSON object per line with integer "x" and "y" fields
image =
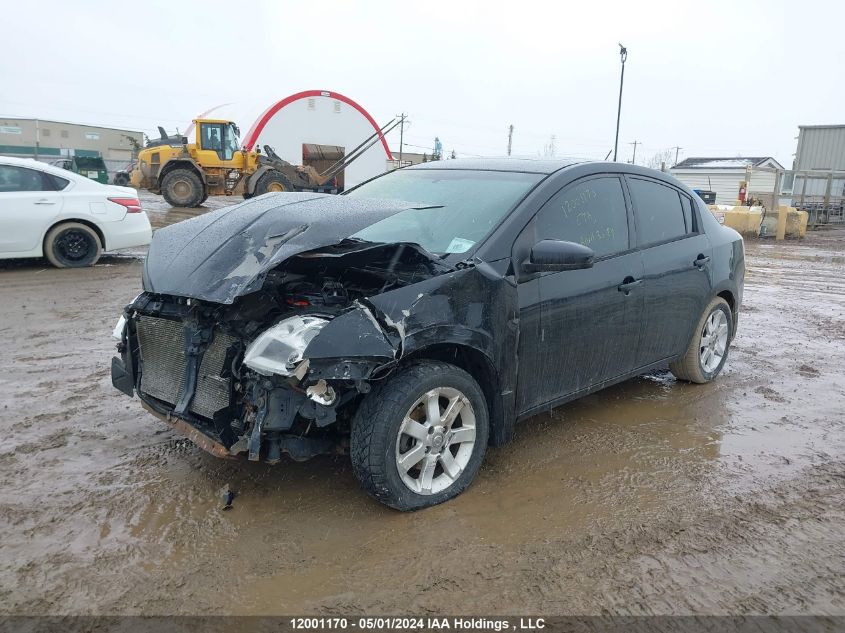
{"x": 462, "y": 206}
{"x": 591, "y": 212}
{"x": 221, "y": 138}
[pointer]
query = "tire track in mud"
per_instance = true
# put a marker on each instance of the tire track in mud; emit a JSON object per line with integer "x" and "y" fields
{"x": 745, "y": 555}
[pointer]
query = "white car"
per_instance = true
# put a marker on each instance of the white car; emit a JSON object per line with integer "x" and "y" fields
{"x": 67, "y": 218}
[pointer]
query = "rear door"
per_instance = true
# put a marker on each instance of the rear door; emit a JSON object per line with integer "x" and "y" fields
{"x": 589, "y": 320}
{"x": 676, "y": 258}
{"x": 29, "y": 201}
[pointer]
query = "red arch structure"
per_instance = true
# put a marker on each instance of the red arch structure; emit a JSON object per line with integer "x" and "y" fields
{"x": 252, "y": 135}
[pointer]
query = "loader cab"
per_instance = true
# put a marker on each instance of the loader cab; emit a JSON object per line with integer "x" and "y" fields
{"x": 218, "y": 144}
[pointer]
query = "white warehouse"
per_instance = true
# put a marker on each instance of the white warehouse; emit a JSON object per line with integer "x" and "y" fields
{"x": 724, "y": 175}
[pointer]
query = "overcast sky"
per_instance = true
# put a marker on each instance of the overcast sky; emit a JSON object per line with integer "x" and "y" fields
{"x": 718, "y": 78}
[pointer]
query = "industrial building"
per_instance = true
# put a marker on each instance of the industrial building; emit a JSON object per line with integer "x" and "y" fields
{"x": 313, "y": 127}
{"x": 725, "y": 176}
{"x": 821, "y": 150}
{"x": 49, "y": 140}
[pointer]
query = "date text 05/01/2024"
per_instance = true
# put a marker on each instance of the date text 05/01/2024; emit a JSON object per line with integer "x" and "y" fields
{"x": 412, "y": 623}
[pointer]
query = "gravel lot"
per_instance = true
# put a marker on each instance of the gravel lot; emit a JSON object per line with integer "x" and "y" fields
{"x": 652, "y": 497}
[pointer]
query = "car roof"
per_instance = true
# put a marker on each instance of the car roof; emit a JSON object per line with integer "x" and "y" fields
{"x": 31, "y": 163}
{"x": 547, "y": 166}
{"x": 530, "y": 165}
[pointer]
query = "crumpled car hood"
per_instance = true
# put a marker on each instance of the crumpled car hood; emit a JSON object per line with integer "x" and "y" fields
{"x": 224, "y": 254}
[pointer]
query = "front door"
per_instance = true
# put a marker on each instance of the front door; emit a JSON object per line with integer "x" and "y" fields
{"x": 218, "y": 145}
{"x": 580, "y": 328}
{"x": 676, "y": 259}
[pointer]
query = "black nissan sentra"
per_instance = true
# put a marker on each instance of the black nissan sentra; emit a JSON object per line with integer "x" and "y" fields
{"x": 414, "y": 320}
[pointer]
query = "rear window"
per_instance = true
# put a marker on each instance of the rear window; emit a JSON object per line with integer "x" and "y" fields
{"x": 660, "y": 215}
{"x": 58, "y": 182}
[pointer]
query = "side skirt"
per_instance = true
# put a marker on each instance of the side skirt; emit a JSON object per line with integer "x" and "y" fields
{"x": 597, "y": 387}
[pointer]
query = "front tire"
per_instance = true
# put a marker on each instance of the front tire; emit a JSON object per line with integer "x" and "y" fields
{"x": 708, "y": 350}
{"x": 418, "y": 439}
{"x": 182, "y": 188}
{"x": 72, "y": 245}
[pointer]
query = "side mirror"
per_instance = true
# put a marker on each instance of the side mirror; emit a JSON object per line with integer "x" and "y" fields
{"x": 555, "y": 255}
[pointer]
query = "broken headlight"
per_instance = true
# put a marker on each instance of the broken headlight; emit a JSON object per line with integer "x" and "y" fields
{"x": 280, "y": 349}
{"x": 118, "y": 329}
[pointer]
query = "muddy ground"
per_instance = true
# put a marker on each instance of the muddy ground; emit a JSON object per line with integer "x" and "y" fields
{"x": 652, "y": 497}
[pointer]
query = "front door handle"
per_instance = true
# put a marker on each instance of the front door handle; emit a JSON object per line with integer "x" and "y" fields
{"x": 701, "y": 261}
{"x": 628, "y": 284}
{"x": 45, "y": 201}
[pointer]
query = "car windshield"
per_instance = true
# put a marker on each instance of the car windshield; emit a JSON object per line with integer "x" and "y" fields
{"x": 463, "y": 206}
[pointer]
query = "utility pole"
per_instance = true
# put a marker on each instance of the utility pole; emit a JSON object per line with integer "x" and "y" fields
{"x": 634, "y": 159}
{"x": 623, "y": 55}
{"x": 677, "y": 149}
{"x": 510, "y": 138}
{"x": 401, "y": 136}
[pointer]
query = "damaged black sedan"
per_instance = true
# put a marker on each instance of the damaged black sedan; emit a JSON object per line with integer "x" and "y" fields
{"x": 414, "y": 320}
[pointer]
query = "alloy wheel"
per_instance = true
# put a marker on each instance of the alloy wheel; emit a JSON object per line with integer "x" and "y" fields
{"x": 436, "y": 441}
{"x": 714, "y": 341}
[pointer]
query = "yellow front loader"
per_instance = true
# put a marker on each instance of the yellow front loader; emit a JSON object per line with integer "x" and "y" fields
{"x": 187, "y": 171}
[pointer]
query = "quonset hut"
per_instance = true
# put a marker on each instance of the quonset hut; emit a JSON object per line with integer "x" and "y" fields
{"x": 312, "y": 127}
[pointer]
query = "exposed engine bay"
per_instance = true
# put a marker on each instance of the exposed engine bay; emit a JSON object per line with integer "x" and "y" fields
{"x": 216, "y": 367}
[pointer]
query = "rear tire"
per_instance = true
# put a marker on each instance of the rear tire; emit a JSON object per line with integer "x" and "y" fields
{"x": 121, "y": 180}
{"x": 272, "y": 181}
{"x": 72, "y": 245}
{"x": 182, "y": 188}
{"x": 410, "y": 455}
{"x": 708, "y": 350}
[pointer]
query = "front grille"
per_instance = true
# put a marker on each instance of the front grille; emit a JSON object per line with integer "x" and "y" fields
{"x": 162, "y": 345}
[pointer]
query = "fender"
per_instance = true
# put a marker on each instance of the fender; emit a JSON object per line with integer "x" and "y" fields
{"x": 472, "y": 351}
{"x": 178, "y": 161}
{"x": 364, "y": 343}
{"x": 252, "y": 180}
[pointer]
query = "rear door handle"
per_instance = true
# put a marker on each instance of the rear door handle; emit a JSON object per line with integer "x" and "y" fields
{"x": 701, "y": 261}
{"x": 627, "y": 286}
{"x": 45, "y": 201}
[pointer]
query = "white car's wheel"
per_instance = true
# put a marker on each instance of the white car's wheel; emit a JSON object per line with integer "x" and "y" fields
{"x": 72, "y": 245}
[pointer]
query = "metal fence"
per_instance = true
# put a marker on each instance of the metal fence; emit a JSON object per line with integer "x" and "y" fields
{"x": 820, "y": 193}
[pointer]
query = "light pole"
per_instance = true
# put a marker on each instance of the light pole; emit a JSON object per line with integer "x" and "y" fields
{"x": 623, "y": 54}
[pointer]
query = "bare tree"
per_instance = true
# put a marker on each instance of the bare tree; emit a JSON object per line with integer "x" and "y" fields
{"x": 549, "y": 149}
{"x": 657, "y": 159}
{"x": 133, "y": 142}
